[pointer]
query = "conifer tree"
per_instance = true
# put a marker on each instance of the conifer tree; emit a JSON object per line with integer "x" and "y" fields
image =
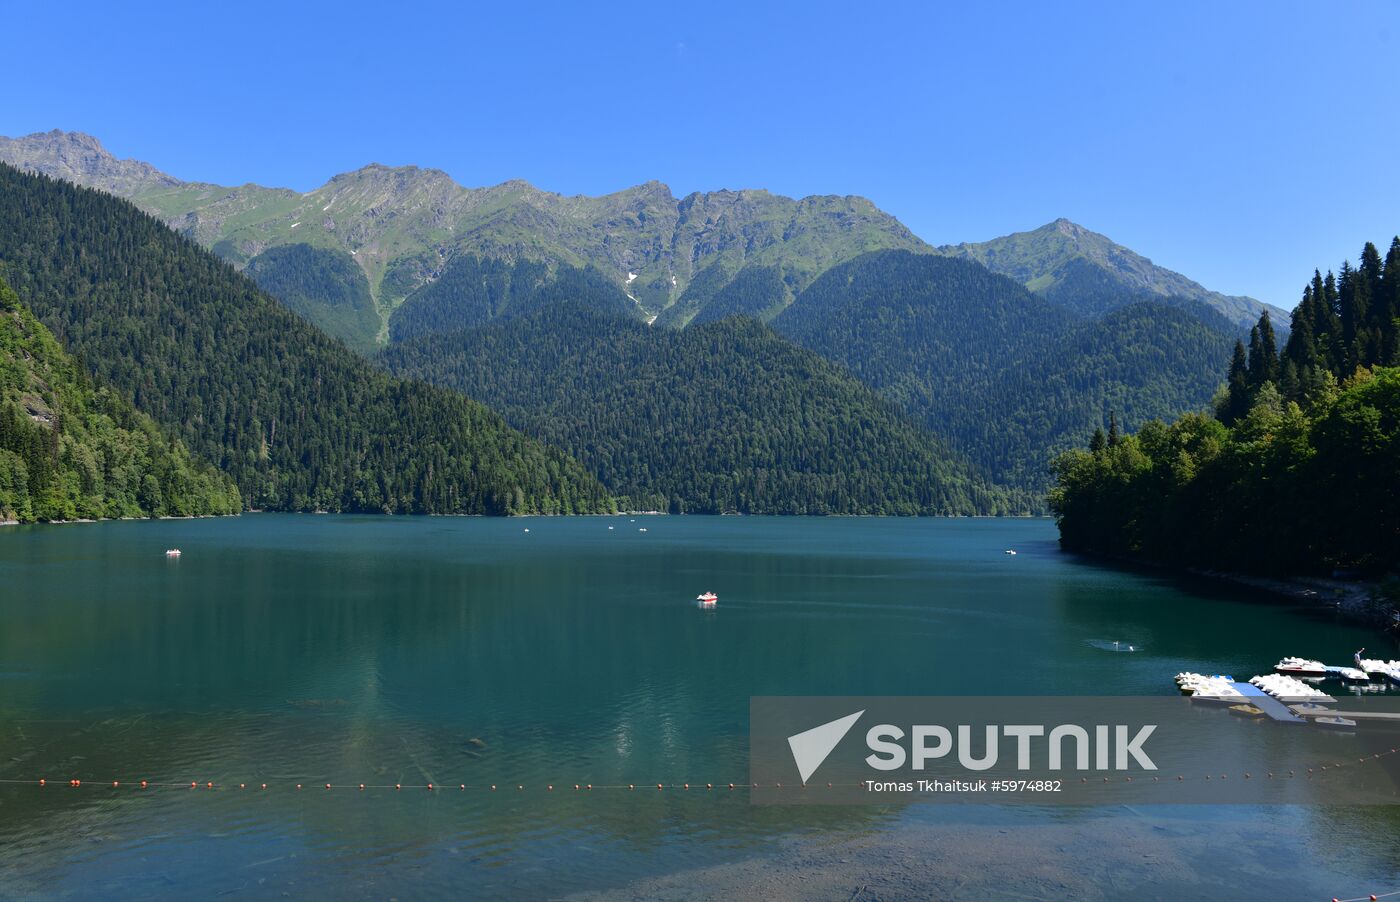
{"x": 1353, "y": 298}
{"x": 1263, "y": 354}
{"x": 1300, "y": 354}
{"x": 1329, "y": 324}
{"x": 1388, "y": 305}
{"x": 1237, "y": 401}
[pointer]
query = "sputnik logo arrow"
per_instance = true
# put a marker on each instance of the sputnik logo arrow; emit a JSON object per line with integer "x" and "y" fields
{"x": 811, "y": 747}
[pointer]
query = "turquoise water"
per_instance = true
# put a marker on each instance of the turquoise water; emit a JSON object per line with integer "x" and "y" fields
{"x": 312, "y": 649}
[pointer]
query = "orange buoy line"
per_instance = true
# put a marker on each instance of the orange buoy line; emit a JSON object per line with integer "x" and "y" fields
{"x": 209, "y": 785}
{"x": 397, "y": 787}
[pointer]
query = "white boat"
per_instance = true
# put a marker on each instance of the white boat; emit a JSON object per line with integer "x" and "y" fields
{"x": 708, "y": 600}
{"x": 1286, "y": 689}
{"x": 1380, "y": 669}
{"x": 1011, "y": 551}
{"x": 1308, "y": 669}
{"x": 172, "y": 552}
{"x": 1213, "y": 688}
{"x": 1301, "y": 667}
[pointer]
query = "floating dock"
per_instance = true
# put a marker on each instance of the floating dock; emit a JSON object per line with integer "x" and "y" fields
{"x": 1272, "y": 707}
{"x": 1376, "y": 718}
{"x": 1378, "y": 669}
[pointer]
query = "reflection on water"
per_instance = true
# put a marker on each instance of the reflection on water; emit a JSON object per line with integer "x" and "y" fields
{"x": 286, "y": 649}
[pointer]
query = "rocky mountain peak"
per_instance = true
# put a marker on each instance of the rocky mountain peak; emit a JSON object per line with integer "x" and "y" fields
{"x": 81, "y": 158}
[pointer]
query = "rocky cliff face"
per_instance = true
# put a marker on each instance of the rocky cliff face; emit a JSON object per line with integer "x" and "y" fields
{"x": 80, "y": 158}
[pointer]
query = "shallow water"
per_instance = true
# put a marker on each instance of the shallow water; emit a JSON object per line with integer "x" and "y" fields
{"x": 311, "y": 649}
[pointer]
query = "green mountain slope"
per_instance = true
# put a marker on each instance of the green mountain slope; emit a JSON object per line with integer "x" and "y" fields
{"x": 72, "y": 450}
{"x": 720, "y": 417}
{"x": 1005, "y": 376}
{"x": 1090, "y": 274}
{"x": 297, "y": 420}
{"x": 758, "y": 291}
{"x": 324, "y": 286}
{"x": 473, "y": 291}
{"x": 402, "y": 226}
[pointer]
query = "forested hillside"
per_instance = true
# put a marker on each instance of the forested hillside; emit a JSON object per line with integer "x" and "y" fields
{"x": 1299, "y": 471}
{"x": 1005, "y": 376}
{"x": 720, "y": 417}
{"x": 325, "y": 287}
{"x": 298, "y": 421}
{"x": 757, "y": 291}
{"x": 473, "y": 291}
{"x": 70, "y": 449}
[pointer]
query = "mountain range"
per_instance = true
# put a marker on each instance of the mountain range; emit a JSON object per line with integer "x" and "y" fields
{"x": 673, "y": 258}
{"x": 883, "y": 375}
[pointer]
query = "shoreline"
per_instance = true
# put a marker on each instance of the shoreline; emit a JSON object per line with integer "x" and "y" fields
{"x": 112, "y": 520}
{"x": 1361, "y": 600}
{"x": 520, "y": 516}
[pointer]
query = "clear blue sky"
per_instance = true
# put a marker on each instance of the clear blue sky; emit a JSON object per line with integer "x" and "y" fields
{"x": 1242, "y": 143}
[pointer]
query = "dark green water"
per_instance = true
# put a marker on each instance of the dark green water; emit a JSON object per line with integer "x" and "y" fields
{"x": 315, "y": 649}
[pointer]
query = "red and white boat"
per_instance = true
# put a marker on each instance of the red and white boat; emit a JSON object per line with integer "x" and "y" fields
{"x": 1301, "y": 667}
{"x": 708, "y": 600}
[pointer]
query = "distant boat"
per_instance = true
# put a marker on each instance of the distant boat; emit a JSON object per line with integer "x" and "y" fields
{"x": 1011, "y": 551}
{"x": 708, "y": 600}
{"x": 172, "y": 552}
